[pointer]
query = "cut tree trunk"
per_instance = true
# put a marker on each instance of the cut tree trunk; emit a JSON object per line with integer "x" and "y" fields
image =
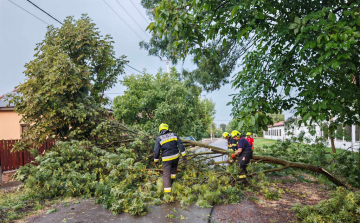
{"x": 274, "y": 160}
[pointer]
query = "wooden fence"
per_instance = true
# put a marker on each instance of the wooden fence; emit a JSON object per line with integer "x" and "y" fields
{"x": 13, "y": 160}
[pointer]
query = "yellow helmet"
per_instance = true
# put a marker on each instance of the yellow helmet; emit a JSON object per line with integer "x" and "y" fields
{"x": 248, "y": 134}
{"x": 163, "y": 126}
{"x": 226, "y": 134}
{"x": 235, "y": 133}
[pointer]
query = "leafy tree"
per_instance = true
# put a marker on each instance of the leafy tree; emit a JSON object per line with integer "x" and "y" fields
{"x": 295, "y": 54}
{"x": 62, "y": 97}
{"x": 229, "y": 127}
{"x": 223, "y": 126}
{"x": 218, "y": 133}
{"x": 277, "y": 117}
{"x": 164, "y": 98}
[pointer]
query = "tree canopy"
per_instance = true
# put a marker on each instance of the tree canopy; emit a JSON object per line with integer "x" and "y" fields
{"x": 297, "y": 55}
{"x": 62, "y": 96}
{"x": 164, "y": 98}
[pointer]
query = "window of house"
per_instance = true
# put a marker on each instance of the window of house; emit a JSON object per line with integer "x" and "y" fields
{"x": 23, "y": 128}
{"x": 279, "y": 132}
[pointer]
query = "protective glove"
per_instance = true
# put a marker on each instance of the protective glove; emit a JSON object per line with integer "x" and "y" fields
{"x": 155, "y": 164}
{"x": 233, "y": 156}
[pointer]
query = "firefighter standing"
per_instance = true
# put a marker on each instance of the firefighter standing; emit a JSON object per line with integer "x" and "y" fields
{"x": 245, "y": 154}
{"x": 169, "y": 144}
{"x": 250, "y": 140}
{"x": 227, "y": 136}
{"x": 234, "y": 140}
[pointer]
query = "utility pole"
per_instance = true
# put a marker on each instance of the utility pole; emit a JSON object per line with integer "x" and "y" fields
{"x": 167, "y": 65}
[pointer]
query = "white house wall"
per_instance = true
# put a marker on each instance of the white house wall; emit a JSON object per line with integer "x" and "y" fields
{"x": 339, "y": 143}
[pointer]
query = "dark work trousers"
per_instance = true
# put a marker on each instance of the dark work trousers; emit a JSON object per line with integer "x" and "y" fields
{"x": 169, "y": 173}
{"x": 243, "y": 161}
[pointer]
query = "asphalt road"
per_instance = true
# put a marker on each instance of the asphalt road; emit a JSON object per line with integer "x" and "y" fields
{"x": 221, "y": 143}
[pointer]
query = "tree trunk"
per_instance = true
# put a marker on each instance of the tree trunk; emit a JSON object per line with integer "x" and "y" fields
{"x": 332, "y": 143}
{"x": 274, "y": 160}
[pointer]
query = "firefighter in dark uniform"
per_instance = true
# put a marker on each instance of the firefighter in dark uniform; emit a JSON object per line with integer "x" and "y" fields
{"x": 245, "y": 155}
{"x": 234, "y": 140}
{"x": 227, "y": 136}
{"x": 169, "y": 144}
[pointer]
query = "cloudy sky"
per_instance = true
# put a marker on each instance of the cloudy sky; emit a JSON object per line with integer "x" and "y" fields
{"x": 20, "y": 31}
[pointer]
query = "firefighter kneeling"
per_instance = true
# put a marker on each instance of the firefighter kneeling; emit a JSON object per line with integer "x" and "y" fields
{"x": 245, "y": 153}
{"x": 169, "y": 143}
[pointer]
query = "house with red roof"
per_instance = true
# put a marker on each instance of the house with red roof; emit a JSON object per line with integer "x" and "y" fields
{"x": 278, "y": 131}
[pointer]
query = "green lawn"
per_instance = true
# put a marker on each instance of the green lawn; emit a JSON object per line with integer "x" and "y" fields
{"x": 262, "y": 142}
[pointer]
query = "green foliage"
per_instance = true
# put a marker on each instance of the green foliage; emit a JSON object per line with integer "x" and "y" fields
{"x": 277, "y": 117}
{"x": 51, "y": 211}
{"x": 218, "y": 133}
{"x": 164, "y": 98}
{"x": 342, "y": 164}
{"x": 286, "y": 48}
{"x": 343, "y": 206}
{"x": 223, "y": 126}
{"x": 61, "y": 96}
{"x": 121, "y": 179}
{"x": 16, "y": 204}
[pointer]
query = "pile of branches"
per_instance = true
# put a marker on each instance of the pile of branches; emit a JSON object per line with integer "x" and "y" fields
{"x": 117, "y": 168}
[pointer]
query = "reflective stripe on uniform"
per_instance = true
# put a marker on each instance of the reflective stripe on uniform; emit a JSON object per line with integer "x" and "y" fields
{"x": 168, "y": 158}
{"x": 167, "y": 189}
{"x": 183, "y": 153}
{"x": 173, "y": 176}
{"x": 242, "y": 176}
{"x": 167, "y": 138}
{"x": 156, "y": 160}
{"x": 233, "y": 144}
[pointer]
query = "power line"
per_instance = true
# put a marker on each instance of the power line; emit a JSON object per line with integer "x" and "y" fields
{"x": 44, "y": 12}
{"x": 29, "y": 13}
{"x": 132, "y": 18}
{"x": 61, "y": 23}
{"x": 122, "y": 19}
{"x": 139, "y": 11}
{"x": 133, "y": 68}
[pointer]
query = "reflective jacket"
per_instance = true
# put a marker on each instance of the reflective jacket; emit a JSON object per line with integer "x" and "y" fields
{"x": 232, "y": 143}
{"x": 169, "y": 144}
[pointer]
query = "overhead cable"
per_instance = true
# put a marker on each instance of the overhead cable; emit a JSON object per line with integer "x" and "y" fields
{"x": 44, "y": 12}
{"x": 29, "y": 13}
{"x": 122, "y": 19}
{"x": 133, "y": 68}
{"x": 139, "y": 11}
{"x": 132, "y": 18}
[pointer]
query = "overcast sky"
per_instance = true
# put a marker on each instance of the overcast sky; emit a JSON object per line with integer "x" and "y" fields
{"x": 20, "y": 31}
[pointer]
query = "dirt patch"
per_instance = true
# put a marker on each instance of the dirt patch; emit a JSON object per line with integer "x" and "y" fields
{"x": 292, "y": 193}
{"x": 256, "y": 208}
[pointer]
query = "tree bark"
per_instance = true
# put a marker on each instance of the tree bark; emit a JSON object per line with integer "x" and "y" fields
{"x": 274, "y": 160}
{"x": 332, "y": 143}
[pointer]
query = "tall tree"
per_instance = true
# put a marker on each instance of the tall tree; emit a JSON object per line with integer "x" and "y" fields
{"x": 63, "y": 93}
{"x": 277, "y": 117}
{"x": 223, "y": 126}
{"x": 164, "y": 98}
{"x": 297, "y": 55}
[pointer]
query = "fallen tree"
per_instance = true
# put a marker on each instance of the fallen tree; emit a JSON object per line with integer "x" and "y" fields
{"x": 268, "y": 159}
